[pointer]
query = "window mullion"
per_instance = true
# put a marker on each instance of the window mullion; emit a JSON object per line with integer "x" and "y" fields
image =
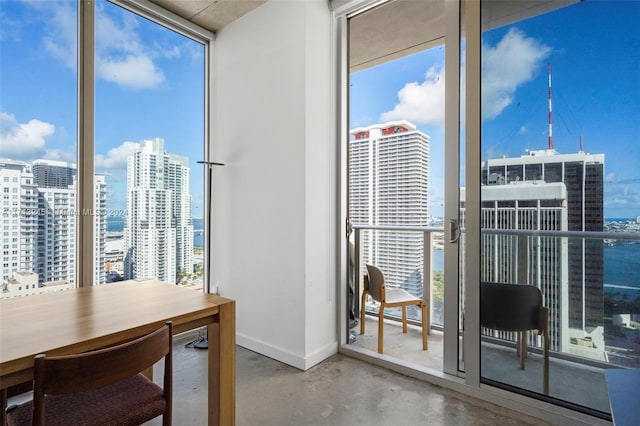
{"x": 85, "y": 231}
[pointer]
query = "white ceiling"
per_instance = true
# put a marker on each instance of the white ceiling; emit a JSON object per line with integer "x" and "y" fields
{"x": 392, "y": 30}
{"x": 210, "y": 14}
{"x": 401, "y": 27}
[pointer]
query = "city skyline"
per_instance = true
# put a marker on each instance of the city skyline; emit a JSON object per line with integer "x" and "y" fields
{"x": 40, "y": 219}
{"x": 596, "y": 94}
{"x": 164, "y": 73}
{"x": 39, "y": 212}
{"x": 149, "y": 83}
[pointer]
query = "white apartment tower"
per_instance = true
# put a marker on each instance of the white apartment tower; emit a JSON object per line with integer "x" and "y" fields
{"x": 159, "y": 229}
{"x": 100, "y": 229}
{"x": 56, "y": 250}
{"x": 389, "y": 185}
{"x": 40, "y": 217}
{"x": 19, "y": 205}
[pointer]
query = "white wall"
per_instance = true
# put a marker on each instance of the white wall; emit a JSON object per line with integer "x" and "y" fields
{"x": 274, "y": 201}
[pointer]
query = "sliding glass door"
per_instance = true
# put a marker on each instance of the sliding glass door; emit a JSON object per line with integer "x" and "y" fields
{"x": 403, "y": 176}
{"x": 560, "y": 114}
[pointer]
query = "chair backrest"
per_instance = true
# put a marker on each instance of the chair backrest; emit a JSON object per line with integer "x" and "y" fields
{"x": 510, "y": 307}
{"x": 376, "y": 283}
{"x": 96, "y": 369}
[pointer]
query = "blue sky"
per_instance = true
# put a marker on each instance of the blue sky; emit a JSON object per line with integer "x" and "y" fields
{"x": 594, "y": 48}
{"x": 149, "y": 83}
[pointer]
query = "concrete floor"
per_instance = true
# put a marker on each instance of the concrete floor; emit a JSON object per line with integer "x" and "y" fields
{"x": 339, "y": 391}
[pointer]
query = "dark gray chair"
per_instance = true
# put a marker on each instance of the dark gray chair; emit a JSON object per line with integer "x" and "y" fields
{"x": 102, "y": 387}
{"x": 519, "y": 308}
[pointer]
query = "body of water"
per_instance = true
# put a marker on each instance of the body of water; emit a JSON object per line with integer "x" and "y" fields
{"x": 621, "y": 262}
{"x": 621, "y": 268}
{"x": 116, "y": 224}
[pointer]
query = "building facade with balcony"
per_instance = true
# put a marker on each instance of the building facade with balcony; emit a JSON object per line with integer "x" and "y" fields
{"x": 19, "y": 198}
{"x": 389, "y": 185}
{"x": 158, "y": 234}
{"x": 39, "y": 205}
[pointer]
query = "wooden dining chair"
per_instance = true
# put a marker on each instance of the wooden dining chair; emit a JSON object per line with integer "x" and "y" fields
{"x": 102, "y": 387}
{"x": 11, "y": 392}
{"x": 374, "y": 286}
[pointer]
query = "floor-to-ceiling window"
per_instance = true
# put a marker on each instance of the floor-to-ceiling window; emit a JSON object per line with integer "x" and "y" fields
{"x": 150, "y": 80}
{"x": 559, "y": 195}
{"x": 38, "y": 147}
{"x": 101, "y": 134}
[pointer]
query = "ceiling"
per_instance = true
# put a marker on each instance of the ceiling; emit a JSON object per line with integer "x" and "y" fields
{"x": 210, "y": 14}
{"x": 392, "y": 30}
{"x": 399, "y": 28}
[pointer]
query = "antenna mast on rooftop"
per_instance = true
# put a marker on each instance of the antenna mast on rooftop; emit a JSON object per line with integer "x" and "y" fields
{"x": 550, "y": 110}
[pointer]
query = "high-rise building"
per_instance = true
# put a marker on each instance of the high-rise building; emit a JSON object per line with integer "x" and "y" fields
{"x": 99, "y": 229}
{"x": 389, "y": 185}
{"x": 582, "y": 291}
{"x": 19, "y": 207}
{"x": 159, "y": 230}
{"x": 40, "y": 216}
{"x": 531, "y": 206}
{"x": 57, "y": 221}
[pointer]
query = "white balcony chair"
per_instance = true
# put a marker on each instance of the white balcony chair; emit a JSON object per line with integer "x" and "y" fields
{"x": 374, "y": 285}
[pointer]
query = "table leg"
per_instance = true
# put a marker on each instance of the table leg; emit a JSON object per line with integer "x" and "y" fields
{"x": 222, "y": 366}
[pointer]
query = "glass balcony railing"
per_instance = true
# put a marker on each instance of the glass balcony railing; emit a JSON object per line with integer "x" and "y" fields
{"x": 406, "y": 255}
{"x": 590, "y": 282}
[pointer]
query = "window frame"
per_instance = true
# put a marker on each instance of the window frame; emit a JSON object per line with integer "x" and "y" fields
{"x": 86, "y": 126}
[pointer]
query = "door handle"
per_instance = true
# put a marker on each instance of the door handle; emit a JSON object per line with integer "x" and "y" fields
{"x": 454, "y": 231}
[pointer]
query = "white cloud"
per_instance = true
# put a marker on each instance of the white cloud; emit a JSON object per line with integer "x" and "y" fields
{"x": 420, "y": 103}
{"x": 116, "y": 158}
{"x": 59, "y": 18}
{"x": 23, "y": 141}
{"x": 60, "y": 155}
{"x": 135, "y": 72}
{"x": 121, "y": 56}
{"x": 507, "y": 66}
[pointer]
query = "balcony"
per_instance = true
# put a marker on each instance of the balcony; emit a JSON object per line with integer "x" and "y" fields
{"x": 593, "y": 310}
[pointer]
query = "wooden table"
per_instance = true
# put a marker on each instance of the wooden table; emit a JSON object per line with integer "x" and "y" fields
{"x": 83, "y": 319}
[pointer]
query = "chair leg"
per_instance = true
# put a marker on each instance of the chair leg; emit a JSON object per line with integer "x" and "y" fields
{"x": 404, "y": 319}
{"x": 3, "y": 406}
{"x": 425, "y": 331}
{"x": 380, "y": 327}
{"x": 523, "y": 348}
{"x": 362, "y": 311}
{"x": 545, "y": 379}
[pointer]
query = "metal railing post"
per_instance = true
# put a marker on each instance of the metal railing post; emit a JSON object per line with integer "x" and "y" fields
{"x": 357, "y": 266}
{"x": 427, "y": 275}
